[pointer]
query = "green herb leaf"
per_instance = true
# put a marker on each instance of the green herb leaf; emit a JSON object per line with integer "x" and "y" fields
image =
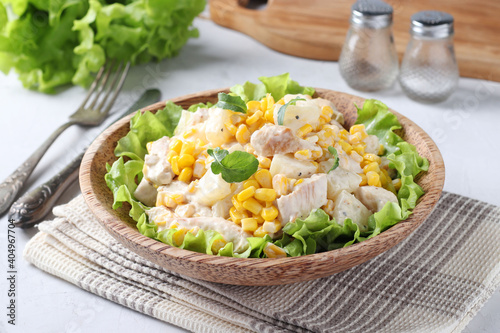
{"x": 233, "y": 103}
{"x": 335, "y": 155}
{"x": 282, "y": 110}
{"x": 235, "y": 167}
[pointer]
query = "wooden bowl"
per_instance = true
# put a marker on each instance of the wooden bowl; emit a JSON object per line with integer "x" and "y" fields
{"x": 253, "y": 271}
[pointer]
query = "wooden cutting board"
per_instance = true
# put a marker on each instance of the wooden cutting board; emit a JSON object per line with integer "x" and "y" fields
{"x": 316, "y": 29}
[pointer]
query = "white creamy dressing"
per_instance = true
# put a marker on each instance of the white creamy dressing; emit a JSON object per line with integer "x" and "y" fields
{"x": 208, "y": 201}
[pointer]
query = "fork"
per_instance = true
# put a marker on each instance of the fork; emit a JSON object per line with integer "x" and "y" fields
{"x": 89, "y": 116}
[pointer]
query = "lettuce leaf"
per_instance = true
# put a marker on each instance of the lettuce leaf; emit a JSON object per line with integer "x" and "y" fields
{"x": 278, "y": 86}
{"x": 53, "y": 43}
{"x": 146, "y": 127}
{"x": 314, "y": 234}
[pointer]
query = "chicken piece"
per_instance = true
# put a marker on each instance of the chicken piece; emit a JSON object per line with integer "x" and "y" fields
{"x": 347, "y": 206}
{"x": 221, "y": 207}
{"x": 296, "y": 116}
{"x": 191, "y": 119}
{"x": 215, "y": 128}
{"x": 372, "y": 144}
{"x": 337, "y": 117}
{"x": 274, "y": 139}
{"x": 291, "y": 167}
{"x": 146, "y": 193}
{"x": 156, "y": 168}
{"x": 374, "y": 198}
{"x": 340, "y": 180}
{"x": 211, "y": 188}
{"x": 309, "y": 195}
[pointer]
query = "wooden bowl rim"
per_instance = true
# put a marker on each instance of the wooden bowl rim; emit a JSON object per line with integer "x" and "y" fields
{"x": 116, "y": 225}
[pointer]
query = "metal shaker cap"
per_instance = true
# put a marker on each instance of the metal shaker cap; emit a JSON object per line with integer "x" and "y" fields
{"x": 374, "y": 14}
{"x": 431, "y": 24}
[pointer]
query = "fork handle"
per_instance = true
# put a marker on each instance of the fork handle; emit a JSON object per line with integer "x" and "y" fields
{"x": 12, "y": 184}
{"x": 34, "y": 205}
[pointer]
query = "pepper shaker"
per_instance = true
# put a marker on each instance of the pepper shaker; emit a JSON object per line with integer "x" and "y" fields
{"x": 368, "y": 60}
{"x": 429, "y": 71}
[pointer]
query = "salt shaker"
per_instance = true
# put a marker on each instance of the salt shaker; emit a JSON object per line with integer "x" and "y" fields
{"x": 429, "y": 71}
{"x": 368, "y": 60}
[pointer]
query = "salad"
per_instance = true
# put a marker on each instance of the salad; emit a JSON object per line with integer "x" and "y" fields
{"x": 268, "y": 171}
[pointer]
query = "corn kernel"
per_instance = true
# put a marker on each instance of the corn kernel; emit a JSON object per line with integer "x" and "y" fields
{"x": 178, "y": 198}
{"x": 269, "y": 213}
{"x": 364, "y": 180}
{"x": 372, "y": 158}
{"x": 270, "y": 101}
{"x": 242, "y": 134}
{"x": 280, "y": 184}
{"x": 185, "y": 160}
{"x": 273, "y": 251}
{"x": 300, "y": 181}
{"x": 235, "y": 215}
{"x": 187, "y": 148}
{"x": 199, "y": 168}
{"x": 176, "y": 145}
{"x": 381, "y": 149}
{"x": 217, "y": 245}
{"x": 263, "y": 104}
{"x": 252, "y": 205}
{"x": 186, "y": 174}
{"x": 236, "y": 203}
{"x": 373, "y": 166}
{"x": 174, "y": 162}
{"x": 231, "y": 128}
{"x": 397, "y": 183}
{"x": 171, "y": 154}
{"x": 168, "y": 201}
{"x": 383, "y": 179}
{"x": 265, "y": 194}
{"x": 249, "y": 224}
{"x": 373, "y": 178}
{"x": 250, "y": 182}
{"x": 264, "y": 177}
{"x": 271, "y": 227}
{"x": 302, "y": 155}
{"x": 326, "y": 110}
{"x": 255, "y": 117}
{"x": 317, "y": 154}
{"x": 304, "y": 130}
{"x": 188, "y": 133}
{"x": 343, "y": 134}
{"x": 246, "y": 193}
{"x": 259, "y": 219}
{"x": 356, "y": 157}
{"x": 357, "y": 128}
{"x": 160, "y": 223}
{"x": 326, "y": 118}
{"x": 359, "y": 149}
{"x": 259, "y": 232}
{"x": 264, "y": 162}
{"x": 345, "y": 146}
{"x": 253, "y": 105}
{"x": 249, "y": 149}
{"x": 178, "y": 237}
{"x": 269, "y": 115}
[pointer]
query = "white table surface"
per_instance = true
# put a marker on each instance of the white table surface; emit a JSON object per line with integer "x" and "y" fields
{"x": 466, "y": 129}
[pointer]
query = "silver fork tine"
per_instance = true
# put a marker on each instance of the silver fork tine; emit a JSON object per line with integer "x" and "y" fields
{"x": 110, "y": 86}
{"x": 118, "y": 88}
{"x": 102, "y": 85}
{"x": 92, "y": 87}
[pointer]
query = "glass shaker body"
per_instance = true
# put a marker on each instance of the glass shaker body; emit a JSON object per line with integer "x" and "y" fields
{"x": 368, "y": 60}
{"x": 429, "y": 71}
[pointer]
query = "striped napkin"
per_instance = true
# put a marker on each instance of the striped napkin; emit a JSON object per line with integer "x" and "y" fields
{"x": 434, "y": 281}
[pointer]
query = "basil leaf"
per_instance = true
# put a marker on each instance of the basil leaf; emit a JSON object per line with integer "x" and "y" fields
{"x": 281, "y": 111}
{"x": 233, "y": 103}
{"x": 235, "y": 167}
{"x": 335, "y": 154}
